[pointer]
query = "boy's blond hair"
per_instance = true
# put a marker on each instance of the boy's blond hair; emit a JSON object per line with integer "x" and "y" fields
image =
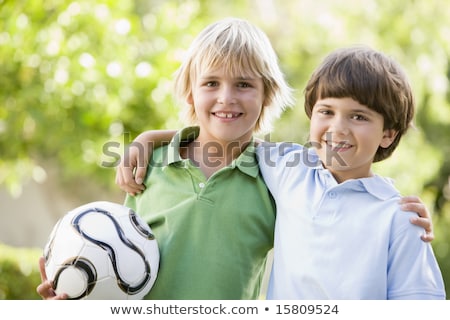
{"x": 242, "y": 50}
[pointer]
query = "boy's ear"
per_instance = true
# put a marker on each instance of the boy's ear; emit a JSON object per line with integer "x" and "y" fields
{"x": 388, "y": 137}
{"x": 266, "y": 101}
{"x": 189, "y": 99}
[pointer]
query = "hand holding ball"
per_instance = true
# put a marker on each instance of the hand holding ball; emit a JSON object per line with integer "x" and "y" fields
{"x": 102, "y": 250}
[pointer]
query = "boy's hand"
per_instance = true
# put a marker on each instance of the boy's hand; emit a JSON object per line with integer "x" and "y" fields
{"x": 132, "y": 168}
{"x": 413, "y": 203}
{"x": 45, "y": 289}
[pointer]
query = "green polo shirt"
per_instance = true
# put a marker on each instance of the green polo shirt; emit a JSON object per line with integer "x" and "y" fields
{"x": 213, "y": 234}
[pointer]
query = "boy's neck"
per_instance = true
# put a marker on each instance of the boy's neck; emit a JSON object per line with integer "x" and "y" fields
{"x": 212, "y": 156}
{"x": 342, "y": 176}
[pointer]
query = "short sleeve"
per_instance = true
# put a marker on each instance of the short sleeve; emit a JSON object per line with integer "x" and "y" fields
{"x": 413, "y": 272}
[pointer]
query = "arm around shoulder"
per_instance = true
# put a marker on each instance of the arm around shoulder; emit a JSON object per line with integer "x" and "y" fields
{"x": 132, "y": 168}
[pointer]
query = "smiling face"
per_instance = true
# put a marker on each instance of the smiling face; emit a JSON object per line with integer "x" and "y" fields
{"x": 373, "y": 79}
{"x": 242, "y": 50}
{"x": 227, "y": 106}
{"x": 346, "y": 136}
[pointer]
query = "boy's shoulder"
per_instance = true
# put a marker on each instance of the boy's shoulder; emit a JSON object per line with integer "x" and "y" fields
{"x": 380, "y": 187}
{"x": 282, "y": 147}
{"x": 170, "y": 153}
{"x": 378, "y": 197}
{"x": 287, "y": 155}
{"x": 384, "y": 192}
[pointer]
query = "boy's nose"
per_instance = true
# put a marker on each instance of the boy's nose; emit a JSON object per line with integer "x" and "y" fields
{"x": 339, "y": 126}
{"x": 226, "y": 96}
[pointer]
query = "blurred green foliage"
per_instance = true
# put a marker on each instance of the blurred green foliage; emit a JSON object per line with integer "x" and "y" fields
{"x": 19, "y": 273}
{"x": 77, "y": 75}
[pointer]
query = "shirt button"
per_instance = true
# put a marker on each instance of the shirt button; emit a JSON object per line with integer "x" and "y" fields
{"x": 201, "y": 185}
{"x": 332, "y": 194}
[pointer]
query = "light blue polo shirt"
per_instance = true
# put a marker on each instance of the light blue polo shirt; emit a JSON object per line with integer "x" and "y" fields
{"x": 213, "y": 234}
{"x": 342, "y": 241}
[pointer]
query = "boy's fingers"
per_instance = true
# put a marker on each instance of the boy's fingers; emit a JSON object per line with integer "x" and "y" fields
{"x": 413, "y": 203}
{"x": 410, "y": 199}
{"x": 139, "y": 177}
{"x": 44, "y": 289}
{"x": 425, "y": 223}
{"x": 419, "y": 208}
{"x": 125, "y": 180}
{"x": 422, "y": 222}
{"x": 141, "y": 168}
{"x": 427, "y": 237}
{"x": 42, "y": 269}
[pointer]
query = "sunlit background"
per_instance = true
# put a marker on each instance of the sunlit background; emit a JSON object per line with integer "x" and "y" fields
{"x": 77, "y": 76}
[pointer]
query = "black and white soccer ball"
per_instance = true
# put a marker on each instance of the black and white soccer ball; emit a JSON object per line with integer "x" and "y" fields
{"x": 102, "y": 250}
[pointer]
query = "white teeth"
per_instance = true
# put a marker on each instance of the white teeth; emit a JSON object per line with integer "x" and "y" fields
{"x": 338, "y": 144}
{"x": 224, "y": 115}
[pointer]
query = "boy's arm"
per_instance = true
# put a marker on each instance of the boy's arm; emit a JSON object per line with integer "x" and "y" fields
{"x": 413, "y": 203}
{"x": 132, "y": 168}
{"x": 413, "y": 272}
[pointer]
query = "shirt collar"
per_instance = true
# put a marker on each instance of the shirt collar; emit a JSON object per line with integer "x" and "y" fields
{"x": 246, "y": 162}
{"x": 380, "y": 187}
{"x": 184, "y": 135}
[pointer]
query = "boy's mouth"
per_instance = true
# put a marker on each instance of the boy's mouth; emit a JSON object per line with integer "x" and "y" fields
{"x": 338, "y": 146}
{"x": 227, "y": 115}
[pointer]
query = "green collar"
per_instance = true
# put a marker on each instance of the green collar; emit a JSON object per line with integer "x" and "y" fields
{"x": 246, "y": 162}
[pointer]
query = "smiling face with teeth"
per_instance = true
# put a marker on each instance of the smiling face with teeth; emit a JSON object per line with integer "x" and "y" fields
{"x": 346, "y": 136}
{"x": 227, "y": 106}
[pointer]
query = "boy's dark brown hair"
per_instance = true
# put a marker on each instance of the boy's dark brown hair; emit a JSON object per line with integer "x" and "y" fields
{"x": 371, "y": 78}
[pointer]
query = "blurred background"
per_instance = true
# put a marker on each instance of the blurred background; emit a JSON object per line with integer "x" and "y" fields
{"x": 80, "y": 79}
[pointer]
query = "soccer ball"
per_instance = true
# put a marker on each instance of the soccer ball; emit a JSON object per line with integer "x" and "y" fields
{"x": 102, "y": 250}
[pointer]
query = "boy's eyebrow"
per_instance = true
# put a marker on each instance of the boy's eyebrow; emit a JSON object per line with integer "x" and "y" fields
{"x": 326, "y": 105}
{"x": 367, "y": 111}
{"x": 240, "y": 78}
{"x": 322, "y": 104}
{"x": 356, "y": 110}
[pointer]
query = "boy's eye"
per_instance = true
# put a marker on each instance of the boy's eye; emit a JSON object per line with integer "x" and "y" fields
{"x": 211, "y": 83}
{"x": 243, "y": 84}
{"x": 324, "y": 111}
{"x": 359, "y": 117}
